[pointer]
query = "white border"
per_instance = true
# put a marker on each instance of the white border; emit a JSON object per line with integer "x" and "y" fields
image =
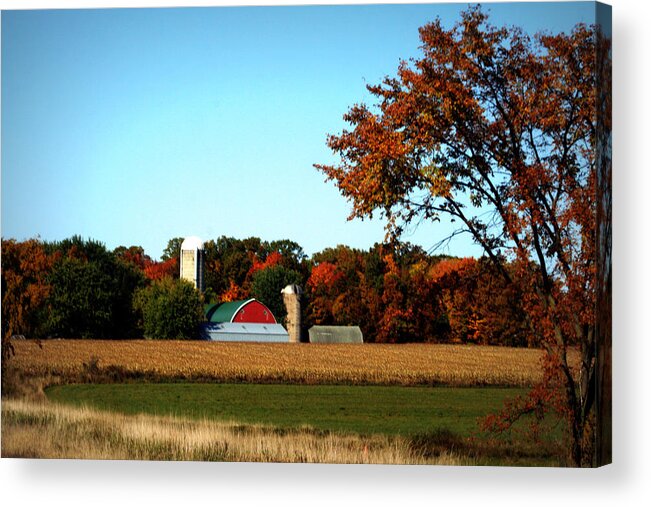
{"x": 111, "y": 483}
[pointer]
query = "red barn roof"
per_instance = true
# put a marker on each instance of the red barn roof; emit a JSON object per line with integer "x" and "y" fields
{"x": 251, "y": 310}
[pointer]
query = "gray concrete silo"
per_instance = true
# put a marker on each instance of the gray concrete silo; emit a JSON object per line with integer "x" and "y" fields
{"x": 292, "y": 299}
{"x": 192, "y": 258}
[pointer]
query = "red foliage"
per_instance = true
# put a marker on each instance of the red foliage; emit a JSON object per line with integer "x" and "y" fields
{"x": 326, "y": 299}
{"x": 324, "y": 276}
{"x": 158, "y": 270}
{"x": 273, "y": 259}
{"x": 134, "y": 255}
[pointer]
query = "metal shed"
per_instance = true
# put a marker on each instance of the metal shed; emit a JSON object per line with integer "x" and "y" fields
{"x": 335, "y": 334}
{"x": 247, "y": 332}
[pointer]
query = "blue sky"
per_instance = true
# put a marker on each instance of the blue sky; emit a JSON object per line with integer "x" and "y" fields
{"x": 133, "y": 126}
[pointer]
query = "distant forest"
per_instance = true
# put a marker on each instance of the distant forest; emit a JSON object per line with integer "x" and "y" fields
{"x": 396, "y": 293}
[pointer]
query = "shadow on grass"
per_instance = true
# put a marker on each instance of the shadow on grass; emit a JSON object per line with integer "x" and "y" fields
{"x": 489, "y": 450}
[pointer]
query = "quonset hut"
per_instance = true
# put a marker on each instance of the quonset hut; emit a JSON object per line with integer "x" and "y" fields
{"x": 242, "y": 321}
{"x": 249, "y": 310}
{"x": 335, "y": 334}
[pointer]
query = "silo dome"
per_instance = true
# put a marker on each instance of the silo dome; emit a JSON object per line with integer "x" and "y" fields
{"x": 292, "y": 289}
{"x": 192, "y": 243}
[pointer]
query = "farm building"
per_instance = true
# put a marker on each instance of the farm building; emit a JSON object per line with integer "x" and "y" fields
{"x": 335, "y": 334}
{"x": 248, "y": 320}
{"x": 191, "y": 261}
{"x": 292, "y": 299}
{"x": 239, "y": 332}
{"x": 250, "y": 310}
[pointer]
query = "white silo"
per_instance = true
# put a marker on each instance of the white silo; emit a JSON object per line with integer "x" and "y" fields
{"x": 292, "y": 299}
{"x": 191, "y": 261}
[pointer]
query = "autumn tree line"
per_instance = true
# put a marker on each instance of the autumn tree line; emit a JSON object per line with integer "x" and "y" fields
{"x": 398, "y": 293}
{"x": 508, "y": 134}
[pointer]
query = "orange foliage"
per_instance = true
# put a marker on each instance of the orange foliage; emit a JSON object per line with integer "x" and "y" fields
{"x": 157, "y": 270}
{"x": 233, "y": 293}
{"x": 447, "y": 268}
{"x": 502, "y": 132}
{"x": 25, "y": 267}
{"x": 273, "y": 259}
{"x": 326, "y": 300}
{"x": 324, "y": 275}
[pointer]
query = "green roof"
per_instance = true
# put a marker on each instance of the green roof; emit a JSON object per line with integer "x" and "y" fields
{"x": 209, "y": 309}
{"x": 226, "y": 311}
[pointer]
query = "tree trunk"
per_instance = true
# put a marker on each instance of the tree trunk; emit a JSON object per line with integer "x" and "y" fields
{"x": 577, "y": 441}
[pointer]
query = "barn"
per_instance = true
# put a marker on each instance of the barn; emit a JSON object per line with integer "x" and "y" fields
{"x": 250, "y": 310}
{"x": 248, "y": 320}
{"x": 238, "y": 332}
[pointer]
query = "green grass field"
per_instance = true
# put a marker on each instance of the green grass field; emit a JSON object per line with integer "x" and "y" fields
{"x": 359, "y": 409}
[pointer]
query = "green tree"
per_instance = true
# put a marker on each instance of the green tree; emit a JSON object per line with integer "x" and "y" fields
{"x": 173, "y": 249}
{"x": 91, "y": 292}
{"x": 170, "y": 309}
{"x": 78, "y": 247}
{"x": 293, "y": 256}
{"x": 81, "y": 300}
{"x": 228, "y": 262}
{"x": 231, "y": 262}
{"x": 267, "y": 285}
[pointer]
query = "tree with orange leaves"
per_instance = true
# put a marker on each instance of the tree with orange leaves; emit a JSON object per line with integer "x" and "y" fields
{"x": 323, "y": 286}
{"x": 154, "y": 270}
{"x": 25, "y": 288}
{"x": 233, "y": 293}
{"x": 498, "y": 130}
{"x": 481, "y": 307}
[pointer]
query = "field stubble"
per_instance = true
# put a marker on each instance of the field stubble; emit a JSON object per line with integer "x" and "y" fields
{"x": 379, "y": 364}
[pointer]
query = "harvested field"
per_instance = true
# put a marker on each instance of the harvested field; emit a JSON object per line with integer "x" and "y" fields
{"x": 385, "y": 364}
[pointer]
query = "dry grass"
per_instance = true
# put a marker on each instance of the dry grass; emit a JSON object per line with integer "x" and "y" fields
{"x": 45, "y": 430}
{"x": 410, "y": 364}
